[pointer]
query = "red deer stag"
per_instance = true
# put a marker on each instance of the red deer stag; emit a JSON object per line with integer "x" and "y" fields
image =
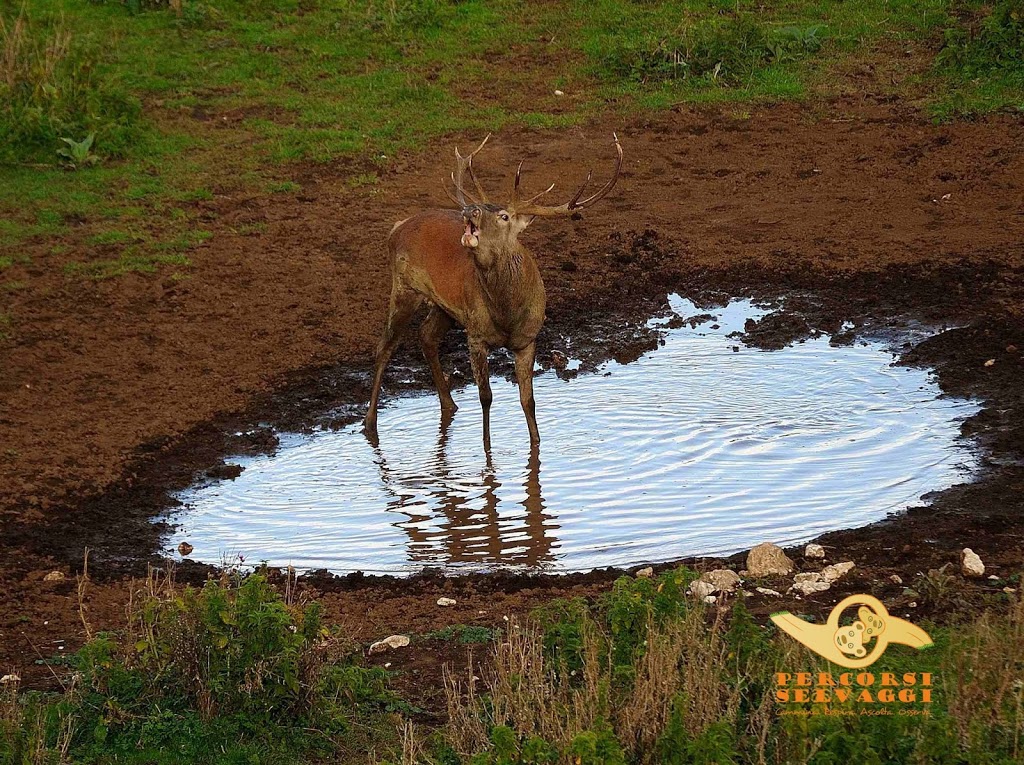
{"x": 468, "y": 266}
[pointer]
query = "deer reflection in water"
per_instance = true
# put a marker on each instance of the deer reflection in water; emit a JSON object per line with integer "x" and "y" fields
{"x": 474, "y": 531}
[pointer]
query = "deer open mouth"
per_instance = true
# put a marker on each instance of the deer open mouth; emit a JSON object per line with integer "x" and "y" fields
{"x": 471, "y": 237}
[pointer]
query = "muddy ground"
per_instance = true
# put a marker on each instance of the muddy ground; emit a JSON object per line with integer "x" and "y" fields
{"x": 114, "y": 393}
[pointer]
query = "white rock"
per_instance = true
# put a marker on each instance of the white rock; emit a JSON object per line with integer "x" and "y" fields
{"x": 394, "y": 641}
{"x": 722, "y": 579}
{"x": 559, "y": 93}
{"x": 767, "y": 559}
{"x": 970, "y": 563}
{"x": 807, "y": 586}
{"x": 710, "y": 600}
{"x": 645, "y": 573}
{"x": 55, "y": 576}
{"x": 701, "y": 589}
{"x": 896, "y": 579}
{"x": 1009, "y": 590}
{"x": 766, "y": 591}
{"x": 814, "y": 551}
{"x": 837, "y": 571}
{"x": 446, "y": 601}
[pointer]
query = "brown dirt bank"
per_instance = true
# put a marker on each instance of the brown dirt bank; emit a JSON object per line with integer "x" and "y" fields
{"x": 112, "y": 392}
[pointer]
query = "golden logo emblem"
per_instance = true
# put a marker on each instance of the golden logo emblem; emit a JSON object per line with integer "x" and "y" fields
{"x": 847, "y": 645}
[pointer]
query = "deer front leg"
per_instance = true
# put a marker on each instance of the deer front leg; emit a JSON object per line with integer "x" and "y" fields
{"x": 400, "y": 312}
{"x": 524, "y": 376}
{"x": 432, "y": 332}
{"x": 481, "y": 373}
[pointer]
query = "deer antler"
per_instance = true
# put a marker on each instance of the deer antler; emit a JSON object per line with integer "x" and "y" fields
{"x": 527, "y": 206}
{"x": 462, "y": 164}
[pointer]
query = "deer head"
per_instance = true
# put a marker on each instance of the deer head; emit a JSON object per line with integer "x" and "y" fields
{"x": 494, "y": 227}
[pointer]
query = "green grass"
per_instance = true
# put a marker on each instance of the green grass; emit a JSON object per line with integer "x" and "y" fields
{"x": 647, "y": 674}
{"x": 465, "y": 634}
{"x": 230, "y": 673}
{"x": 237, "y": 672}
{"x": 229, "y": 95}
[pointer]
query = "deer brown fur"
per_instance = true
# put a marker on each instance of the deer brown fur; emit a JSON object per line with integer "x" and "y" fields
{"x": 469, "y": 267}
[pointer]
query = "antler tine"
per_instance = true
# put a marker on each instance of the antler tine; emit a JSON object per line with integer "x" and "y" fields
{"x": 461, "y": 165}
{"x": 538, "y": 196}
{"x": 451, "y": 196}
{"x": 476, "y": 184}
{"x": 526, "y": 208}
{"x": 517, "y": 201}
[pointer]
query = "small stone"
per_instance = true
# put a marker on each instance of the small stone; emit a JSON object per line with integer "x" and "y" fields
{"x": 701, "y": 589}
{"x": 896, "y": 579}
{"x": 837, "y": 571}
{"x": 1009, "y": 590}
{"x": 722, "y": 579}
{"x": 766, "y": 591}
{"x": 559, "y": 93}
{"x": 767, "y": 559}
{"x": 446, "y": 601}
{"x": 185, "y": 548}
{"x": 912, "y": 604}
{"x": 393, "y": 641}
{"x": 970, "y": 563}
{"x": 993, "y": 578}
{"x": 710, "y": 600}
{"x": 645, "y": 573}
{"x": 990, "y": 363}
{"x": 814, "y": 551}
{"x": 808, "y": 587}
{"x": 55, "y": 576}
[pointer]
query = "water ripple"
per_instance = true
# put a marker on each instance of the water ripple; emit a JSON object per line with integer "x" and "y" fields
{"x": 693, "y": 450}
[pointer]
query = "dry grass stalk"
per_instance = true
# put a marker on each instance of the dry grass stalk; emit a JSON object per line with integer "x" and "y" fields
{"x": 24, "y": 60}
{"x": 987, "y": 685}
{"x": 83, "y": 582}
{"x": 684, "y": 662}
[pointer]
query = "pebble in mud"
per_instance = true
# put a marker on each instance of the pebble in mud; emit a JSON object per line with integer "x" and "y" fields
{"x": 970, "y": 563}
{"x": 837, "y": 571}
{"x": 645, "y": 573}
{"x": 446, "y": 601}
{"x": 393, "y": 641}
{"x": 722, "y": 579}
{"x": 814, "y": 551}
{"x": 808, "y": 583}
{"x": 767, "y": 559}
{"x": 701, "y": 589}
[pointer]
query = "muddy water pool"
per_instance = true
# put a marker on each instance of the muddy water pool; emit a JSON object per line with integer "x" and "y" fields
{"x": 701, "y": 447}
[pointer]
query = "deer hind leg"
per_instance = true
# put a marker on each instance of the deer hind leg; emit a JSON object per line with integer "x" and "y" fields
{"x": 524, "y": 376}
{"x": 403, "y": 306}
{"x": 482, "y": 375}
{"x": 432, "y": 332}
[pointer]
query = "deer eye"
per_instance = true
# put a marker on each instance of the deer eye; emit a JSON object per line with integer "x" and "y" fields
{"x": 504, "y": 217}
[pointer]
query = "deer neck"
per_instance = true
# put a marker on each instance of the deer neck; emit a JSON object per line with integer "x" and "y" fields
{"x": 504, "y": 280}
